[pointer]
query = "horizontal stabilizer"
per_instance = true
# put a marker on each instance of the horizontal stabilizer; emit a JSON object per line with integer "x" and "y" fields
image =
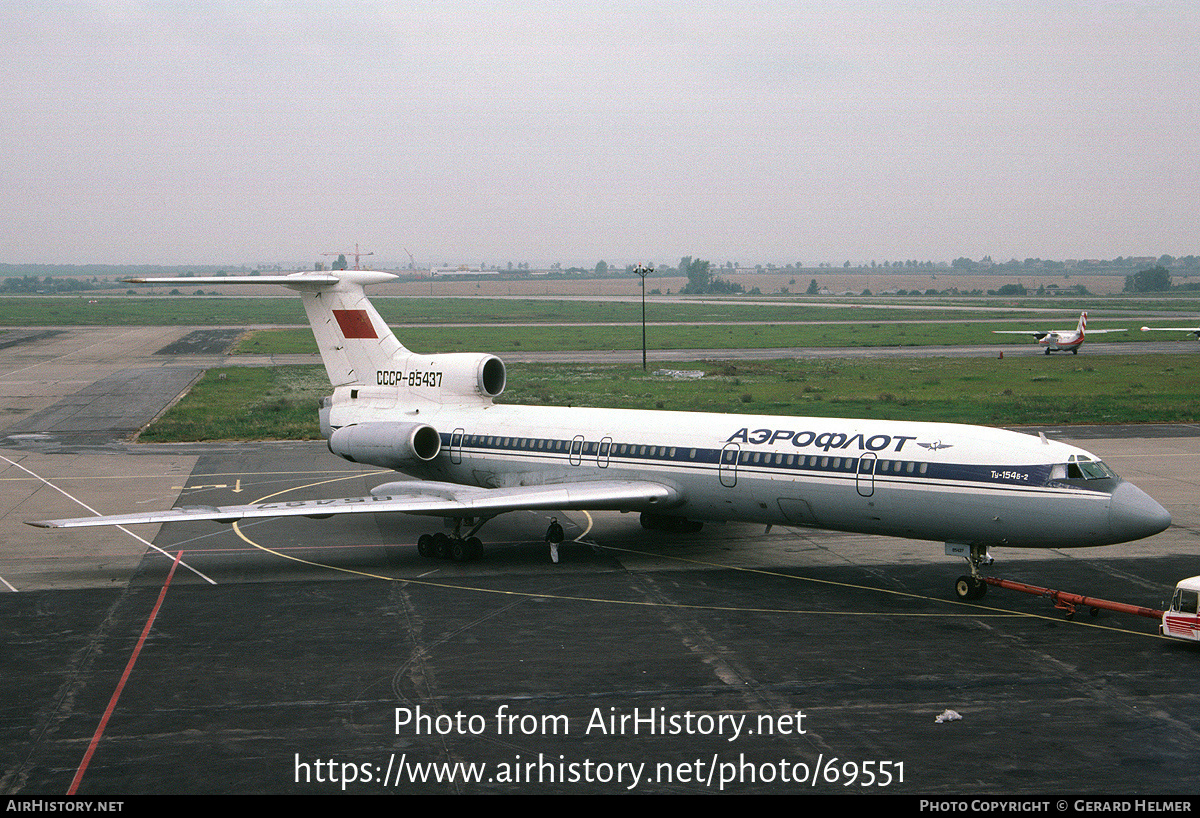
{"x": 298, "y": 280}
{"x": 295, "y": 278}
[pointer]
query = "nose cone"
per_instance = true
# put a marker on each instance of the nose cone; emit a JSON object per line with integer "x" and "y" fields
{"x": 1133, "y": 514}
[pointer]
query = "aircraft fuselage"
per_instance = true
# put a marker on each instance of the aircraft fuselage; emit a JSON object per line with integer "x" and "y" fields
{"x": 932, "y": 481}
{"x": 434, "y": 417}
{"x": 1060, "y": 341}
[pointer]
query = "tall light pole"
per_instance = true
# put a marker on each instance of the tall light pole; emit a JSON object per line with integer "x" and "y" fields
{"x": 643, "y": 271}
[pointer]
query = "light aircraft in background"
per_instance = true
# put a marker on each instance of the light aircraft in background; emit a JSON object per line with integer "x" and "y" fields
{"x": 434, "y": 418}
{"x": 1057, "y": 340}
{"x": 1190, "y": 330}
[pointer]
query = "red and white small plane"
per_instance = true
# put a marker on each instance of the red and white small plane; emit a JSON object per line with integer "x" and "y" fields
{"x": 1190, "y": 330}
{"x": 1059, "y": 339}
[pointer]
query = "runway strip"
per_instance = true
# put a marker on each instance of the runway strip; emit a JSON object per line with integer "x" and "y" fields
{"x": 71, "y": 497}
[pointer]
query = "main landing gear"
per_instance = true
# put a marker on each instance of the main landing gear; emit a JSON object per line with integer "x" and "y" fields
{"x": 453, "y": 546}
{"x": 462, "y": 548}
{"x": 971, "y": 586}
{"x": 443, "y": 546}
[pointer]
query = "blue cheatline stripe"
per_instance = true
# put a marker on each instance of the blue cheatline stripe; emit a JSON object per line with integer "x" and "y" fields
{"x": 886, "y": 470}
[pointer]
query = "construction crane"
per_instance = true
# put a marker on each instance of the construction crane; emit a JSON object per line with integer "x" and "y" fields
{"x": 357, "y": 255}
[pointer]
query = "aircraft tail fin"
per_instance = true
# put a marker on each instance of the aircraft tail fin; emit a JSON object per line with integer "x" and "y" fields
{"x": 353, "y": 339}
{"x": 371, "y": 371}
{"x": 1082, "y": 323}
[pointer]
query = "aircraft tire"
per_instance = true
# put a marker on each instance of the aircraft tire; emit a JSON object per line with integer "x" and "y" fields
{"x": 460, "y": 550}
{"x": 425, "y": 545}
{"x": 962, "y": 587}
{"x": 967, "y": 587}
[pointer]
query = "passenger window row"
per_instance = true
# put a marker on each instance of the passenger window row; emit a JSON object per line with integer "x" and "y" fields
{"x": 610, "y": 449}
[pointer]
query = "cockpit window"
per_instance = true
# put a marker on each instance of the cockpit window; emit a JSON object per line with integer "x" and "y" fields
{"x": 1080, "y": 467}
{"x": 1094, "y": 469}
{"x": 1184, "y": 601}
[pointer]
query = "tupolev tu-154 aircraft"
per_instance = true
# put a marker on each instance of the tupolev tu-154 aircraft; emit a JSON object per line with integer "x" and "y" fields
{"x": 1057, "y": 340}
{"x": 434, "y": 418}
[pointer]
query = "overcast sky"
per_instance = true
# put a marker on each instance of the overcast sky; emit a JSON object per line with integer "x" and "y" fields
{"x": 768, "y": 132}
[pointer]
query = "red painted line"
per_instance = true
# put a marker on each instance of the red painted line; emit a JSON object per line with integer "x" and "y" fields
{"x": 112, "y": 703}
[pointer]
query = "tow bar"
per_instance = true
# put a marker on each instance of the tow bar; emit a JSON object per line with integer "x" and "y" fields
{"x": 1068, "y": 602}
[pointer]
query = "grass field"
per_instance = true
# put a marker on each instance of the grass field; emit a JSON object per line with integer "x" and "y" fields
{"x": 500, "y": 339}
{"x": 191, "y": 310}
{"x": 1012, "y": 391}
{"x": 1124, "y": 389}
{"x": 604, "y": 325}
{"x": 245, "y": 403}
{"x": 253, "y": 403}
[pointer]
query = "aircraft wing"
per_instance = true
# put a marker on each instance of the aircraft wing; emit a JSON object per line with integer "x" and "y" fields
{"x": 417, "y": 497}
{"x": 1041, "y": 335}
{"x": 1195, "y": 330}
{"x": 1035, "y": 333}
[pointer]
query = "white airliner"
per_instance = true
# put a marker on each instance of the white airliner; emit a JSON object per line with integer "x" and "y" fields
{"x": 433, "y": 417}
{"x": 1056, "y": 340}
{"x": 1190, "y": 330}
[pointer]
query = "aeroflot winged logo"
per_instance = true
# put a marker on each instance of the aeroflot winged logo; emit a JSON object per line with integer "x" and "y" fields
{"x": 355, "y": 324}
{"x": 937, "y": 444}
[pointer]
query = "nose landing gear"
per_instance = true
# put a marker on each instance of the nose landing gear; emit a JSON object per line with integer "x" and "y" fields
{"x": 971, "y": 586}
